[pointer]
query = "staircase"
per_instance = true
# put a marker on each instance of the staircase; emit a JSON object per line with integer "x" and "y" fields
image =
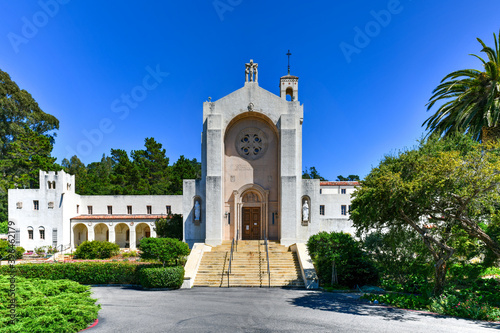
{"x": 249, "y": 266}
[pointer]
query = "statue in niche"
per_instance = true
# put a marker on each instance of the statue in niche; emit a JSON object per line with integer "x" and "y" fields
{"x": 197, "y": 210}
{"x": 305, "y": 211}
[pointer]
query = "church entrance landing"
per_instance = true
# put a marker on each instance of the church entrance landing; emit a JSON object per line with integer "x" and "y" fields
{"x": 251, "y": 223}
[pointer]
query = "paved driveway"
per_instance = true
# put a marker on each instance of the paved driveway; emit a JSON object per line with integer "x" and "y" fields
{"x": 260, "y": 310}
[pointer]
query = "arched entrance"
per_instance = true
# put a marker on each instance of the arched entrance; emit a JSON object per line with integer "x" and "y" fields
{"x": 80, "y": 234}
{"x": 101, "y": 232}
{"x": 142, "y": 230}
{"x": 122, "y": 235}
{"x": 251, "y": 204}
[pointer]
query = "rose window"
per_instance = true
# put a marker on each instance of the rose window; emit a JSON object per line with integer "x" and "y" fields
{"x": 251, "y": 143}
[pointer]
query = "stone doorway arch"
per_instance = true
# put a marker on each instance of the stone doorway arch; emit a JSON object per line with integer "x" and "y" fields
{"x": 142, "y": 230}
{"x": 122, "y": 235}
{"x": 101, "y": 232}
{"x": 80, "y": 234}
{"x": 251, "y": 199}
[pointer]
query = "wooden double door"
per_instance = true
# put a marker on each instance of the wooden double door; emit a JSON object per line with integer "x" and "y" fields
{"x": 251, "y": 223}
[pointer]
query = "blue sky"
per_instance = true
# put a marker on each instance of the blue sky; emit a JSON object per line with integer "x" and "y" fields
{"x": 366, "y": 68}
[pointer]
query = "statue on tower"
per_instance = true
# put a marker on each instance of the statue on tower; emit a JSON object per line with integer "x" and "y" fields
{"x": 251, "y": 71}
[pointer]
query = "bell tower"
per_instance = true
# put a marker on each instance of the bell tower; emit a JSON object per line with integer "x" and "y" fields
{"x": 289, "y": 84}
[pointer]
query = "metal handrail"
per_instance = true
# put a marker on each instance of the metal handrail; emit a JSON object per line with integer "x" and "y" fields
{"x": 230, "y": 260}
{"x": 237, "y": 236}
{"x": 267, "y": 255}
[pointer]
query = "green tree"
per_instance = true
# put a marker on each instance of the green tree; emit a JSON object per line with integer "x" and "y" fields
{"x": 183, "y": 169}
{"x": 26, "y": 139}
{"x": 350, "y": 178}
{"x": 339, "y": 255}
{"x": 311, "y": 173}
{"x": 170, "y": 227}
{"x": 443, "y": 190}
{"x": 471, "y": 99}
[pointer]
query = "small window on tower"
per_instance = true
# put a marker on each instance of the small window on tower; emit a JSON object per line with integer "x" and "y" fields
{"x": 78, "y": 209}
{"x": 35, "y": 205}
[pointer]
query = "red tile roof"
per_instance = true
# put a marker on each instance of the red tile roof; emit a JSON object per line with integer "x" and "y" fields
{"x": 355, "y": 183}
{"x": 119, "y": 217}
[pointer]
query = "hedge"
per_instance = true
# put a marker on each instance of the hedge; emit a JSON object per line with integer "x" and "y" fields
{"x": 47, "y": 306}
{"x": 83, "y": 272}
{"x": 170, "y": 277}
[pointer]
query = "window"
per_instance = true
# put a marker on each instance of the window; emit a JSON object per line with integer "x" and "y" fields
{"x": 322, "y": 210}
{"x": 68, "y": 186}
{"x": 169, "y": 210}
{"x": 19, "y": 205}
{"x": 89, "y": 208}
{"x": 51, "y": 205}
{"x": 42, "y": 234}
{"x": 320, "y": 191}
{"x": 110, "y": 210}
{"x": 78, "y": 209}
{"x": 342, "y": 191}
{"x": 129, "y": 210}
{"x": 343, "y": 210}
{"x": 30, "y": 234}
{"x": 149, "y": 210}
{"x": 35, "y": 205}
{"x": 50, "y": 185}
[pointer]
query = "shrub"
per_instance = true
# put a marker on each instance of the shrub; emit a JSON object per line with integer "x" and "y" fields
{"x": 47, "y": 306}
{"x": 5, "y": 250}
{"x": 170, "y": 227}
{"x": 169, "y": 277}
{"x": 96, "y": 250}
{"x": 130, "y": 254}
{"x": 352, "y": 264}
{"x": 167, "y": 250}
{"x": 82, "y": 272}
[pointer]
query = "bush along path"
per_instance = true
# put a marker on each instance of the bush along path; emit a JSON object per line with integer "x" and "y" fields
{"x": 47, "y": 306}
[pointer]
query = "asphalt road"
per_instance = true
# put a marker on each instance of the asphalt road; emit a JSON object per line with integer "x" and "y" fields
{"x": 261, "y": 310}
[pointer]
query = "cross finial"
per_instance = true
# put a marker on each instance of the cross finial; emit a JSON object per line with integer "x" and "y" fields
{"x": 288, "y": 54}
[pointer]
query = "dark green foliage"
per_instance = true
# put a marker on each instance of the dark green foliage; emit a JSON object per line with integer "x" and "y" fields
{"x": 47, "y": 306}
{"x": 168, "y": 251}
{"x": 311, "y": 173}
{"x": 350, "y": 178}
{"x": 170, "y": 227}
{"x": 353, "y": 266}
{"x": 96, "y": 250}
{"x": 26, "y": 139}
{"x": 82, "y": 272}
{"x": 400, "y": 257}
{"x": 169, "y": 277}
{"x": 4, "y": 227}
{"x": 5, "y": 250}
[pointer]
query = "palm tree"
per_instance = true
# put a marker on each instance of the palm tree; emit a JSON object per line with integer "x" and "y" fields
{"x": 474, "y": 100}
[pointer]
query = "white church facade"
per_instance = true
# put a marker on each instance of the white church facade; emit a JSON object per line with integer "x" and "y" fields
{"x": 251, "y": 185}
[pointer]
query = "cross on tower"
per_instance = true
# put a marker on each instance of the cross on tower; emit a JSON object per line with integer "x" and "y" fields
{"x": 288, "y": 54}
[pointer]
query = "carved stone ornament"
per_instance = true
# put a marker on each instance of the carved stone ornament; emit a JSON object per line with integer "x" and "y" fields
{"x": 250, "y": 107}
{"x": 131, "y": 223}
{"x": 251, "y": 143}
